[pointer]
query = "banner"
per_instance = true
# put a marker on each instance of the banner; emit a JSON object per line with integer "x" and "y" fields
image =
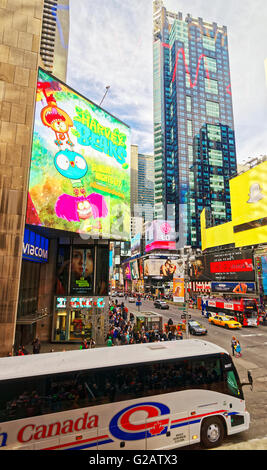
{"x": 233, "y": 287}
{"x": 178, "y": 290}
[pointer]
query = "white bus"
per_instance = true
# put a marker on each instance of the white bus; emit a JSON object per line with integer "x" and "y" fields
{"x": 148, "y": 397}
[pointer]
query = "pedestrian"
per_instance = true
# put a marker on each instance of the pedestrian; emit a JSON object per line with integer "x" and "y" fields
{"x": 233, "y": 345}
{"x": 84, "y": 344}
{"x": 109, "y": 341}
{"x": 36, "y": 346}
{"x": 20, "y": 351}
{"x": 92, "y": 343}
{"x": 238, "y": 349}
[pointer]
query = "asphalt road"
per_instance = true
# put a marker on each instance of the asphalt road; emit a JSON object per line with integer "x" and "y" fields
{"x": 254, "y": 353}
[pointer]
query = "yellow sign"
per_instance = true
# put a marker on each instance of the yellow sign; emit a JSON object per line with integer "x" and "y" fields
{"x": 178, "y": 289}
{"x": 249, "y": 212}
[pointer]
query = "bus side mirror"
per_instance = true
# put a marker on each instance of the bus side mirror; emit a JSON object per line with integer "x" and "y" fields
{"x": 250, "y": 381}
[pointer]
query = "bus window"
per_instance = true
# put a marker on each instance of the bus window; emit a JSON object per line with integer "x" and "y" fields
{"x": 232, "y": 385}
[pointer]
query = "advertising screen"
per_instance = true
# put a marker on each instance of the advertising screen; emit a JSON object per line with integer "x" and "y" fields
{"x": 249, "y": 206}
{"x": 80, "y": 165}
{"x": 222, "y": 266}
{"x": 163, "y": 267}
{"x": 264, "y": 273}
{"x": 233, "y": 287}
{"x": 136, "y": 245}
{"x": 160, "y": 234}
{"x": 134, "y": 270}
{"x": 127, "y": 271}
{"x": 178, "y": 290}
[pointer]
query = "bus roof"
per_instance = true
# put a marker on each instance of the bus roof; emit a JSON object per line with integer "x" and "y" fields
{"x": 67, "y": 361}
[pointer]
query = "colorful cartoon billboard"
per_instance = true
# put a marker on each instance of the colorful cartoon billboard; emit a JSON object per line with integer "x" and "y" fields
{"x": 80, "y": 165}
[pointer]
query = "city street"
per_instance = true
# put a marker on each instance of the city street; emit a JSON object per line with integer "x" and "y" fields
{"x": 254, "y": 349}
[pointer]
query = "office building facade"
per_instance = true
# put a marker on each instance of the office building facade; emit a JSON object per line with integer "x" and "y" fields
{"x": 194, "y": 139}
{"x": 55, "y": 37}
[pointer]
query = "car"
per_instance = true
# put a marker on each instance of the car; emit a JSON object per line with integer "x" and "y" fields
{"x": 114, "y": 294}
{"x": 131, "y": 299}
{"x": 120, "y": 294}
{"x": 195, "y": 328}
{"x": 161, "y": 304}
{"x": 225, "y": 321}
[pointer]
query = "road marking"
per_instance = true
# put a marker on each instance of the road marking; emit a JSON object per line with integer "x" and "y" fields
{"x": 253, "y": 334}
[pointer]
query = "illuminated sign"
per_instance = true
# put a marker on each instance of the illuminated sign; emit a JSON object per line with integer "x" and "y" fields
{"x": 80, "y": 302}
{"x": 163, "y": 267}
{"x": 136, "y": 245}
{"x": 249, "y": 208}
{"x": 35, "y": 247}
{"x": 233, "y": 287}
{"x": 232, "y": 266}
{"x": 160, "y": 234}
{"x": 80, "y": 165}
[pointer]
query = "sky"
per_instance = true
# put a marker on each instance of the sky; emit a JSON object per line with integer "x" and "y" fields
{"x": 110, "y": 44}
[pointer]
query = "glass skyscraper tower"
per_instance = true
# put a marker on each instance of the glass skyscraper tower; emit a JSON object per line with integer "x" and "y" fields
{"x": 194, "y": 139}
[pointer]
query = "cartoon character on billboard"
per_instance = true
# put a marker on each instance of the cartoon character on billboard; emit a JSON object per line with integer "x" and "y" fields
{"x": 54, "y": 117}
{"x": 70, "y": 165}
{"x": 73, "y": 166}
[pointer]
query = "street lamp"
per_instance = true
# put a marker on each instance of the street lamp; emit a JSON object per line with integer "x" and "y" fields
{"x": 107, "y": 88}
{"x": 189, "y": 258}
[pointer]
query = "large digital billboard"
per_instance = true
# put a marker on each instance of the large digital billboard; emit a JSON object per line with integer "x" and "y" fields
{"x": 80, "y": 165}
{"x": 249, "y": 206}
{"x": 160, "y": 235}
{"x": 232, "y": 265}
{"x": 163, "y": 267}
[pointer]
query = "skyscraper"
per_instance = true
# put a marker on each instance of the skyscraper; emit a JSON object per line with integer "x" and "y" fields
{"x": 146, "y": 184}
{"x": 194, "y": 139}
{"x": 55, "y": 37}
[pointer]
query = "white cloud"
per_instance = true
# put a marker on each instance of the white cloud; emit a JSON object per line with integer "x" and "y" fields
{"x": 111, "y": 44}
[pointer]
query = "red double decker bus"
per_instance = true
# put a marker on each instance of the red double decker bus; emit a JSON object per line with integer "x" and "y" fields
{"x": 245, "y": 311}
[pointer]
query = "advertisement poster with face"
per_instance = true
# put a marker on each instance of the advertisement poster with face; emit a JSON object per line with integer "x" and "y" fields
{"x": 164, "y": 267}
{"x": 178, "y": 290}
{"x": 82, "y": 271}
{"x": 134, "y": 270}
{"x": 80, "y": 165}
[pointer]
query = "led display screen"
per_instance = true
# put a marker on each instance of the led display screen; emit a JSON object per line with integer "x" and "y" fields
{"x": 80, "y": 165}
{"x": 163, "y": 267}
{"x": 223, "y": 266}
{"x": 160, "y": 234}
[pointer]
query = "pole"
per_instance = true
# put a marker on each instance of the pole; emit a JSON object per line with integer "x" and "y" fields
{"x": 186, "y": 307}
{"x": 107, "y": 88}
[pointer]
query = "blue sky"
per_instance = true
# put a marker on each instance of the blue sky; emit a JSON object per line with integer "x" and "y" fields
{"x": 111, "y": 44}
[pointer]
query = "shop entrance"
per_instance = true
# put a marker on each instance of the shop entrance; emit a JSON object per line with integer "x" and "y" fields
{"x": 73, "y": 325}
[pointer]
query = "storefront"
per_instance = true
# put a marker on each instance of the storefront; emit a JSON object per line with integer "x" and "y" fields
{"x": 81, "y": 296}
{"x": 31, "y": 311}
{"x": 76, "y": 318}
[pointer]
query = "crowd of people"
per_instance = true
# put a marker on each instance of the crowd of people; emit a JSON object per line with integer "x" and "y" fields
{"x": 123, "y": 329}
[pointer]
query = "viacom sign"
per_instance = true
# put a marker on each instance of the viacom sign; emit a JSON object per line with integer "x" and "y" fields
{"x": 35, "y": 247}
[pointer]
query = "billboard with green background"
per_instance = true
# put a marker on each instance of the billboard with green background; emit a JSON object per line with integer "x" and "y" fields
{"x": 80, "y": 165}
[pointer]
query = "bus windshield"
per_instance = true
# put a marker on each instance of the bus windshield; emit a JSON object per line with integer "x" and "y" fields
{"x": 250, "y": 308}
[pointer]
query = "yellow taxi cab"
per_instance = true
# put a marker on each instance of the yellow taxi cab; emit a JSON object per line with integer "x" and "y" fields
{"x": 226, "y": 322}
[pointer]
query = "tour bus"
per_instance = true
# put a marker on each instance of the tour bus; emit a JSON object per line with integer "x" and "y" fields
{"x": 245, "y": 311}
{"x": 149, "y": 396}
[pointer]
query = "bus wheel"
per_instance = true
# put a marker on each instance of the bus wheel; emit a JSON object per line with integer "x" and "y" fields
{"x": 212, "y": 432}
